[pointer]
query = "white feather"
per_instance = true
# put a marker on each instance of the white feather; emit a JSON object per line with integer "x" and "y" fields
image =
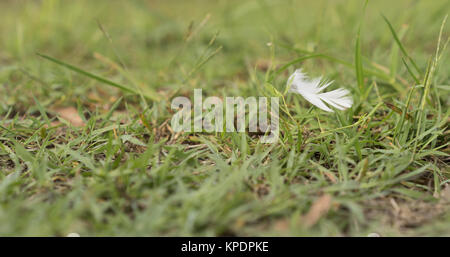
{"x": 311, "y": 90}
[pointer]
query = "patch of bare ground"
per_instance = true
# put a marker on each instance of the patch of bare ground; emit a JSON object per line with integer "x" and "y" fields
{"x": 404, "y": 215}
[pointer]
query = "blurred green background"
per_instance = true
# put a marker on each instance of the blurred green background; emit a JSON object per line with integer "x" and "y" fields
{"x": 57, "y": 179}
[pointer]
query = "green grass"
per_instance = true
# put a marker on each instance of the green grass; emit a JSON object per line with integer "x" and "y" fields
{"x": 384, "y": 162}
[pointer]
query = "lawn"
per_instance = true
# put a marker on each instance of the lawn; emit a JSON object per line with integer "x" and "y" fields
{"x": 87, "y": 146}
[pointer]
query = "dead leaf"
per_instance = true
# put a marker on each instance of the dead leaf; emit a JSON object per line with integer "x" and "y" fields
{"x": 319, "y": 208}
{"x": 281, "y": 225}
{"x": 445, "y": 194}
{"x": 331, "y": 176}
{"x": 71, "y": 115}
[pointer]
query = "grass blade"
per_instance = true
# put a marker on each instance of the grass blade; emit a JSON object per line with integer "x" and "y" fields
{"x": 358, "y": 65}
{"x": 400, "y": 45}
{"x": 287, "y": 65}
{"x": 358, "y": 57}
{"x": 93, "y": 76}
{"x": 410, "y": 72}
